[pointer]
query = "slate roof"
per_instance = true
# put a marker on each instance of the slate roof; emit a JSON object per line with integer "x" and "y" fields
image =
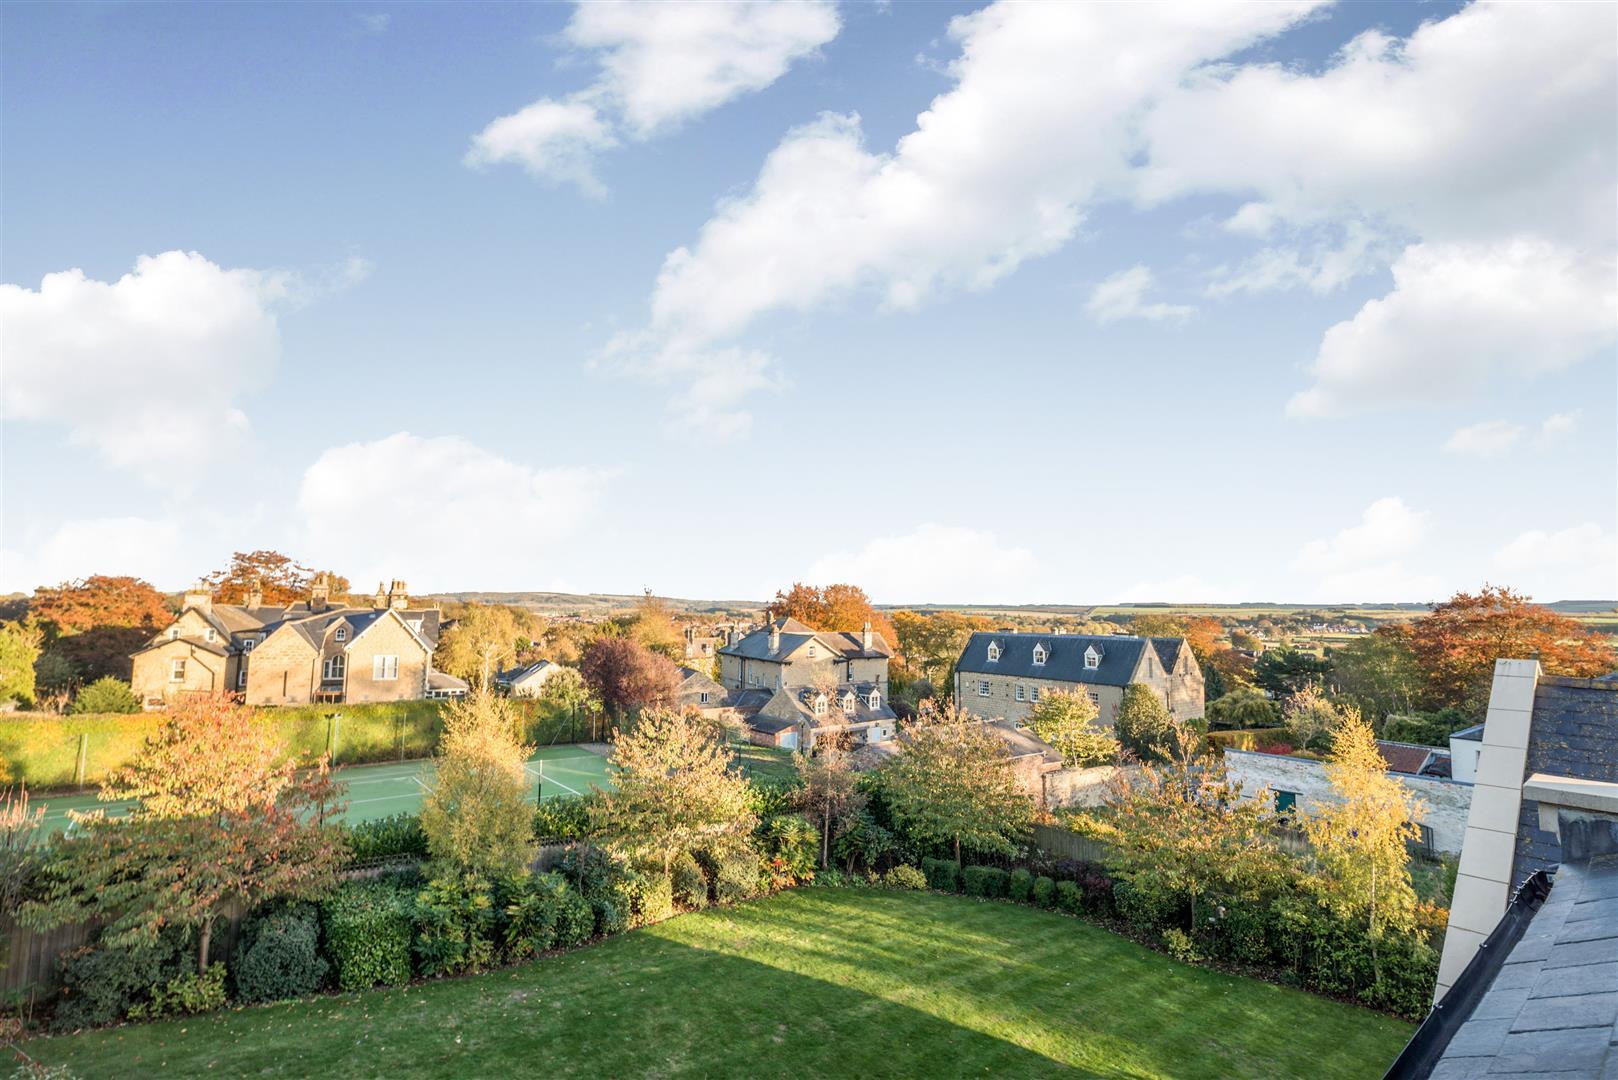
{"x": 1120, "y": 654}
{"x": 1168, "y": 650}
{"x": 441, "y": 680}
{"x": 1404, "y": 757}
{"x": 1552, "y": 1007}
{"x": 794, "y": 635}
{"x": 1471, "y": 734}
{"x": 800, "y": 701}
{"x": 518, "y": 675}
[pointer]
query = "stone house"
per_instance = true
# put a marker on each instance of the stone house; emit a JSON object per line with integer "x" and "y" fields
{"x": 295, "y": 654}
{"x": 1002, "y": 674}
{"x": 798, "y": 717}
{"x": 698, "y": 691}
{"x": 528, "y": 680}
{"x": 793, "y": 685}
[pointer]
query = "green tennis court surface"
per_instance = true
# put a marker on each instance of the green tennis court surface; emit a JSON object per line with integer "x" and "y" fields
{"x": 379, "y": 790}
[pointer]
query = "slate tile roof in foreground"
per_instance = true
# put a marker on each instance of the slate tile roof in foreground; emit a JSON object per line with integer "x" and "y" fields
{"x": 1552, "y": 1009}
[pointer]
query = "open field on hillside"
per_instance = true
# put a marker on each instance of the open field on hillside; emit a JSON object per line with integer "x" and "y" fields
{"x": 840, "y": 982}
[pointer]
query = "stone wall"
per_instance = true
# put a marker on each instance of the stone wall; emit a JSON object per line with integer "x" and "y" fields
{"x": 1446, "y": 802}
{"x": 386, "y": 637}
{"x": 281, "y": 671}
{"x": 1574, "y": 733}
{"x": 1092, "y": 786}
{"x": 205, "y": 672}
{"x": 1001, "y": 702}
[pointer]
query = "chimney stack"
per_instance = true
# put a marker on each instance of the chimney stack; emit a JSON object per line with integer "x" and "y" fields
{"x": 398, "y": 597}
{"x": 865, "y": 636}
{"x": 775, "y": 637}
{"x": 319, "y": 592}
{"x": 255, "y": 593}
{"x": 198, "y": 596}
{"x": 380, "y": 600}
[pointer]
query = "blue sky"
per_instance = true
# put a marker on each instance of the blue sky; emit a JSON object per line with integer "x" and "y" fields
{"x": 1303, "y": 303}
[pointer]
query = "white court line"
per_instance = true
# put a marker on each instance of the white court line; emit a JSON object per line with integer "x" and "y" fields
{"x": 542, "y": 777}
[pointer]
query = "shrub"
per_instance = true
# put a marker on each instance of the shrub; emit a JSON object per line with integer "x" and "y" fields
{"x": 1180, "y": 946}
{"x": 591, "y": 870}
{"x": 610, "y": 917}
{"x": 185, "y": 995}
{"x": 942, "y": 874}
{"x": 770, "y": 796}
{"x": 1098, "y": 888}
{"x": 689, "y": 882}
{"x": 574, "y": 918}
{"x": 987, "y": 881}
{"x": 1244, "y": 707}
{"x": 904, "y": 877}
{"x": 367, "y": 930}
{"x": 1020, "y": 885}
{"x": 864, "y": 842}
{"x": 565, "y": 818}
{"x": 792, "y": 846}
{"x": 387, "y": 837}
{"x": 101, "y": 984}
{"x": 1146, "y": 906}
{"x": 1044, "y": 891}
{"x": 1239, "y": 931}
{"x": 654, "y": 899}
{"x": 736, "y": 876}
{"x": 527, "y": 916}
{"x": 455, "y": 925}
{"x": 278, "y": 955}
{"x": 106, "y": 695}
{"x": 1069, "y": 897}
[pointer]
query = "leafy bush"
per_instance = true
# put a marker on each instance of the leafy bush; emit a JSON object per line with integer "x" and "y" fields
{"x": 1237, "y": 930}
{"x": 689, "y": 882}
{"x": 655, "y": 899}
{"x": 1180, "y": 946}
{"x": 1044, "y": 891}
{"x": 1098, "y": 888}
{"x": 904, "y": 877}
{"x": 1426, "y": 728}
{"x": 1069, "y": 897}
{"x": 528, "y": 911}
{"x": 186, "y": 994}
{"x": 101, "y": 984}
{"x": 366, "y": 926}
{"x": 1020, "y": 885}
{"x": 792, "y": 848}
{"x": 611, "y": 917}
{"x": 574, "y": 918}
{"x": 592, "y": 871}
{"x": 564, "y": 818}
{"x": 278, "y": 955}
{"x": 988, "y": 881}
{"x": 387, "y": 837}
{"x": 864, "y": 842}
{"x": 106, "y": 695}
{"x": 736, "y": 876}
{"x": 1243, "y": 707}
{"x": 770, "y": 796}
{"x": 942, "y": 874}
{"x": 455, "y": 925}
{"x": 1147, "y": 906}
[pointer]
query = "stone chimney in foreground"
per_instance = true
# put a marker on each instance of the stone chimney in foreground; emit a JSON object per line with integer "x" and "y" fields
{"x": 775, "y": 637}
{"x": 380, "y": 600}
{"x": 398, "y": 595}
{"x": 319, "y": 592}
{"x": 198, "y": 596}
{"x": 865, "y": 636}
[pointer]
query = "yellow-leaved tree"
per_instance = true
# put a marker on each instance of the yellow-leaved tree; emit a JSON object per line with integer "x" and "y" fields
{"x": 477, "y": 816}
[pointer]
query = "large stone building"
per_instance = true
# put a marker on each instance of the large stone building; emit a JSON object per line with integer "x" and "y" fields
{"x": 310, "y": 651}
{"x": 793, "y": 685}
{"x": 1003, "y": 675}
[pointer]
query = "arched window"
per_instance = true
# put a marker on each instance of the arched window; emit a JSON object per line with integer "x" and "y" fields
{"x": 336, "y": 666}
{"x": 341, "y": 634}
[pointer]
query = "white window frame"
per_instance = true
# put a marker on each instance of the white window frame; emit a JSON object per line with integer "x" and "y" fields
{"x": 248, "y": 644}
{"x": 983, "y": 688}
{"x": 1092, "y": 659}
{"x": 702, "y": 698}
{"x": 241, "y": 678}
{"x": 812, "y": 650}
{"x": 849, "y": 703}
{"x": 1095, "y": 698}
{"x": 177, "y": 669}
{"x": 875, "y": 700}
{"x": 336, "y": 668}
{"x": 384, "y": 668}
{"x": 1021, "y": 696}
{"x": 1033, "y": 695}
{"x": 994, "y": 652}
{"x": 1041, "y": 654}
{"x": 752, "y": 678}
{"x": 340, "y": 635}
{"x": 209, "y": 635}
{"x": 174, "y": 633}
{"x": 820, "y": 705}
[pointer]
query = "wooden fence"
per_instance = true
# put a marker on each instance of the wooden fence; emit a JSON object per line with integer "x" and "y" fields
{"x": 1066, "y": 844}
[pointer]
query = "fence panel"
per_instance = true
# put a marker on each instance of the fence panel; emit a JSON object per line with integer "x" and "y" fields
{"x": 1066, "y": 844}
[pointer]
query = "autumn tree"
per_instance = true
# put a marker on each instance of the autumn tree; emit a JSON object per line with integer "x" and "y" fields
{"x": 1242, "y": 709}
{"x": 1234, "y": 669}
{"x": 477, "y": 815}
{"x": 1067, "y": 720}
{"x": 831, "y": 793}
{"x": 626, "y": 676}
{"x": 1378, "y": 673}
{"x": 832, "y": 607}
{"x": 279, "y": 578}
{"x": 954, "y": 784}
{"x": 566, "y": 694}
{"x": 1157, "y": 624}
{"x": 1312, "y": 718}
{"x": 92, "y": 625}
{"x": 1458, "y": 642}
{"x": 673, "y": 790}
{"x": 1144, "y": 725}
{"x": 19, "y": 650}
{"x": 653, "y": 626}
{"x": 1360, "y": 836}
{"x": 220, "y": 817}
{"x": 484, "y": 638}
{"x": 933, "y": 641}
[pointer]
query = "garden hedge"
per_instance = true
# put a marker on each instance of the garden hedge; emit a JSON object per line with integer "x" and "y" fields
{"x": 368, "y": 929}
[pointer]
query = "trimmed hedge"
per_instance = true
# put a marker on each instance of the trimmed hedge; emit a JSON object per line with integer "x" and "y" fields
{"x": 904, "y": 877}
{"x": 942, "y": 874}
{"x": 689, "y": 882}
{"x": 1044, "y": 894}
{"x": 368, "y": 933}
{"x": 985, "y": 881}
{"x": 1020, "y": 886}
{"x": 278, "y": 955}
{"x": 387, "y": 837}
{"x": 1249, "y": 739}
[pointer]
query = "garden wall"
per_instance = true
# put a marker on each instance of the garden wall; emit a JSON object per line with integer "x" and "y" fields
{"x": 1447, "y": 802}
{"x": 1081, "y": 787}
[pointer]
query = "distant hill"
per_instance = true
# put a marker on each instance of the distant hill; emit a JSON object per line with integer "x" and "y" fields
{"x": 603, "y": 605}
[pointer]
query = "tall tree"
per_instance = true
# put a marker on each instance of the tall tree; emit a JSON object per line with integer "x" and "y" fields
{"x": 673, "y": 790}
{"x": 93, "y": 624}
{"x": 279, "y": 578}
{"x": 1378, "y": 673}
{"x": 1312, "y": 718}
{"x": 1360, "y": 838}
{"x": 626, "y": 676}
{"x": 1144, "y": 725}
{"x": 477, "y": 816}
{"x": 19, "y": 650}
{"x": 220, "y": 817}
{"x": 1067, "y": 720}
{"x": 1284, "y": 672}
{"x": 1157, "y": 624}
{"x": 831, "y": 607}
{"x": 484, "y": 638}
{"x": 831, "y": 793}
{"x": 1457, "y": 643}
{"x": 932, "y": 641}
{"x": 653, "y": 626}
{"x": 954, "y": 784}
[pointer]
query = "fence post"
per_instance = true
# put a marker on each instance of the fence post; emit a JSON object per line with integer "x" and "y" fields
{"x": 82, "y": 765}
{"x": 331, "y": 737}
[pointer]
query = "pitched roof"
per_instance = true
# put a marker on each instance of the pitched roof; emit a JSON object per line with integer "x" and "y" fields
{"x": 1168, "y": 650}
{"x": 442, "y": 680}
{"x": 524, "y": 673}
{"x": 1064, "y": 662}
{"x": 1404, "y": 757}
{"x": 794, "y": 635}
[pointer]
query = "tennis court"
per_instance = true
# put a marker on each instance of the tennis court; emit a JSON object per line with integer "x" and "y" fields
{"x": 379, "y": 790}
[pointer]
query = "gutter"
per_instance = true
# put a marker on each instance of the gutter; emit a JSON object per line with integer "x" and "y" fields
{"x": 1427, "y": 1045}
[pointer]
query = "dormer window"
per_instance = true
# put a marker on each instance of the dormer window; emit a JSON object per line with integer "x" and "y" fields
{"x": 174, "y": 633}
{"x": 341, "y": 634}
{"x": 811, "y": 650}
{"x": 994, "y": 651}
{"x": 1092, "y": 658}
{"x": 848, "y": 704}
{"x": 248, "y": 643}
{"x": 820, "y": 704}
{"x": 875, "y": 700}
{"x": 208, "y": 634}
{"x": 1040, "y": 655}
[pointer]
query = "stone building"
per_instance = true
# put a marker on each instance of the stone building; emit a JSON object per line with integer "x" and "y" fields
{"x": 792, "y": 685}
{"x": 1002, "y": 674}
{"x": 294, "y": 654}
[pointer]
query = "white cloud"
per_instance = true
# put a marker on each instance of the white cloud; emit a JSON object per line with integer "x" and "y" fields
{"x": 1490, "y": 438}
{"x": 1123, "y": 296}
{"x": 1576, "y": 563}
{"x": 1459, "y": 314}
{"x": 1362, "y": 562}
{"x": 373, "y": 23}
{"x": 1559, "y": 425}
{"x": 661, "y": 65}
{"x": 142, "y": 547}
{"x": 149, "y": 370}
{"x": 443, "y": 511}
{"x": 934, "y": 564}
{"x": 999, "y": 169}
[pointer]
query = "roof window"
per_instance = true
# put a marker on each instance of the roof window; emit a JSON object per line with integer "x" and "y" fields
{"x": 994, "y": 651}
{"x": 1040, "y": 654}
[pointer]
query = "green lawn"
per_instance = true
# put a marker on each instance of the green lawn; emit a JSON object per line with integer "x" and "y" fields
{"x": 816, "y": 981}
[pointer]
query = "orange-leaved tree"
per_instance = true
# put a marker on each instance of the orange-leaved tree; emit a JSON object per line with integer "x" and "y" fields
{"x": 833, "y": 608}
